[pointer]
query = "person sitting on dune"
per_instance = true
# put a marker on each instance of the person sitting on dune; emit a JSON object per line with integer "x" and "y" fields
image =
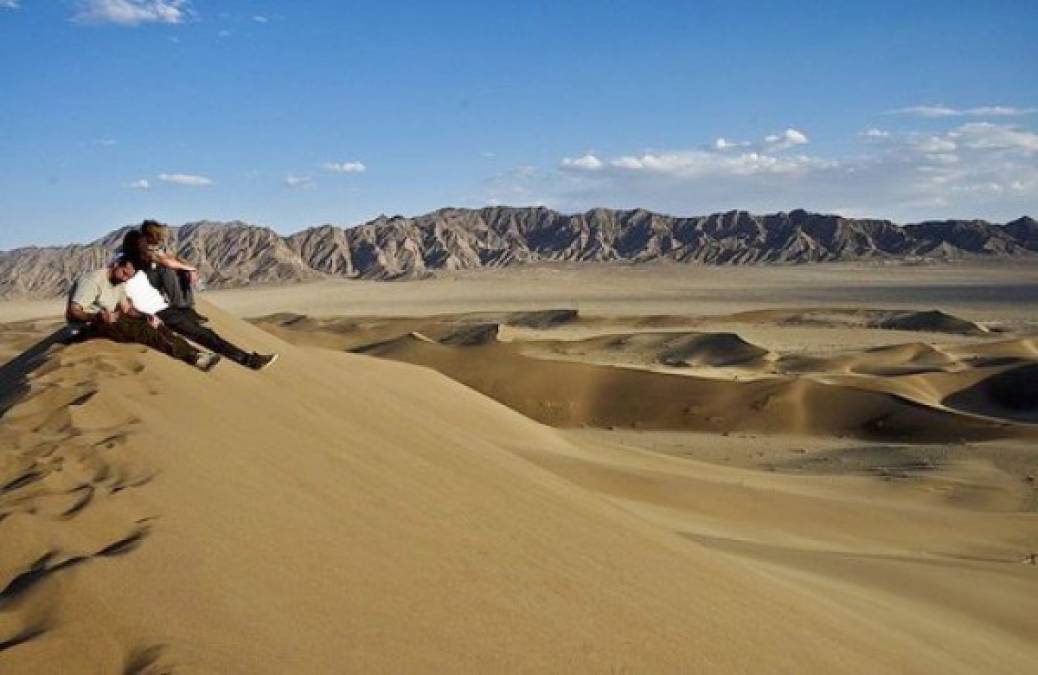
{"x": 98, "y": 307}
{"x": 146, "y": 299}
{"x": 174, "y": 277}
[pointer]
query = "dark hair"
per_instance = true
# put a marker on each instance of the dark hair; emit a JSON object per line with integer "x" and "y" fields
{"x": 122, "y": 260}
{"x": 131, "y": 248}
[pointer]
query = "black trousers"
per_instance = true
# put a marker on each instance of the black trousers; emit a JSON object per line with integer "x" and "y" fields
{"x": 174, "y": 284}
{"x": 183, "y": 321}
{"x": 127, "y": 329}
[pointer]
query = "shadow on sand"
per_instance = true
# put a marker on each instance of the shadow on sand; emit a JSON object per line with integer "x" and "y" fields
{"x": 15, "y": 373}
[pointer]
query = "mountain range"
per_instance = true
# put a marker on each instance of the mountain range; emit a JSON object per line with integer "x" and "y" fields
{"x": 234, "y": 254}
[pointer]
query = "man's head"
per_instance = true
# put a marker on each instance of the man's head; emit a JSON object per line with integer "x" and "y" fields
{"x": 121, "y": 270}
{"x": 154, "y": 232}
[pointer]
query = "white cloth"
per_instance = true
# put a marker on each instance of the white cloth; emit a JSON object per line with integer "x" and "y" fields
{"x": 145, "y": 298}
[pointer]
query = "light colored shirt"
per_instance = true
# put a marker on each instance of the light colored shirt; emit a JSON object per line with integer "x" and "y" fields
{"x": 146, "y": 298}
{"x": 94, "y": 291}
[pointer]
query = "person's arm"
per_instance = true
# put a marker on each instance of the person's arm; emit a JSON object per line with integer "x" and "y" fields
{"x": 127, "y": 308}
{"x": 172, "y": 262}
{"x": 75, "y": 312}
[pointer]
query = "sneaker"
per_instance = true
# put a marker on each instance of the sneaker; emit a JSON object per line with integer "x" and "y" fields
{"x": 200, "y": 318}
{"x": 260, "y": 361}
{"x": 206, "y": 361}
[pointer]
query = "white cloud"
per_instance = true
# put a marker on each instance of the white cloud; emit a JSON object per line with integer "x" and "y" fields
{"x": 141, "y": 184}
{"x": 185, "y": 179}
{"x": 299, "y": 182}
{"x": 937, "y": 111}
{"x": 107, "y": 142}
{"x": 8, "y": 4}
{"x": 984, "y": 135}
{"x": 260, "y": 19}
{"x": 976, "y": 169}
{"x": 925, "y": 111}
{"x": 344, "y": 167}
{"x": 786, "y": 139}
{"x": 132, "y": 12}
{"x": 725, "y": 144}
{"x": 687, "y": 164}
{"x": 586, "y": 162}
{"x": 224, "y": 33}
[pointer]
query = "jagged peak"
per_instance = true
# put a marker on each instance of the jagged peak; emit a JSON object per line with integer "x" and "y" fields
{"x": 397, "y": 247}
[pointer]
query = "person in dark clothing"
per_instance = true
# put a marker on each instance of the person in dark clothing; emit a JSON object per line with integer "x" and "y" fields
{"x": 147, "y": 300}
{"x": 98, "y": 307}
{"x": 168, "y": 273}
{"x": 175, "y": 286}
{"x": 183, "y": 321}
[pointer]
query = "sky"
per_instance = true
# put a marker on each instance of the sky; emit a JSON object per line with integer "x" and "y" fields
{"x": 293, "y": 114}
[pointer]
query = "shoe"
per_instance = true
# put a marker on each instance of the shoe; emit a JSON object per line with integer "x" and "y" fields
{"x": 260, "y": 361}
{"x": 206, "y": 361}
{"x": 198, "y": 317}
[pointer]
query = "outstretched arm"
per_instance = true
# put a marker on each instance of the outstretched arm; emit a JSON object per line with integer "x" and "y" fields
{"x": 172, "y": 262}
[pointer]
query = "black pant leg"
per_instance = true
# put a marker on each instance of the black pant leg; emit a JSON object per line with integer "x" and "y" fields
{"x": 180, "y": 321}
{"x": 187, "y": 294}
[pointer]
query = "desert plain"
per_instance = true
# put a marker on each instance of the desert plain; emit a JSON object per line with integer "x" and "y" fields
{"x": 654, "y": 468}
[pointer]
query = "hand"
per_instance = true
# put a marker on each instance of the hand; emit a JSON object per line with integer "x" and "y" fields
{"x": 104, "y": 316}
{"x": 192, "y": 276}
{"x": 154, "y": 321}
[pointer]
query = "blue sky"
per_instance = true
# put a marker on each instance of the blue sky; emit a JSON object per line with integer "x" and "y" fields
{"x": 293, "y": 114}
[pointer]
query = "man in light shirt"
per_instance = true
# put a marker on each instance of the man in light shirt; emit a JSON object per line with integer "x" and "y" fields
{"x": 98, "y": 307}
{"x": 147, "y": 300}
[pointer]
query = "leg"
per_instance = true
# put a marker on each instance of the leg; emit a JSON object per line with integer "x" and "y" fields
{"x": 169, "y": 283}
{"x": 181, "y": 321}
{"x": 187, "y": 294}
{"x": 138, "y": 330}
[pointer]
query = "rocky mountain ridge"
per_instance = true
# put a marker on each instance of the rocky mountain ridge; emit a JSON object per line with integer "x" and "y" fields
{"x": 236, "y": 253}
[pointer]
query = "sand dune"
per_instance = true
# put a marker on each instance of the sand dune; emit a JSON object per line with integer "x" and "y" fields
{"x": 568, "y": 394}
{"x": 930, "y": 321}
{"x": 342, "y": 513}
{"x": 898, "y": 391}
{"x": 1011, "y": 393}
{"x": 676, "y": 349}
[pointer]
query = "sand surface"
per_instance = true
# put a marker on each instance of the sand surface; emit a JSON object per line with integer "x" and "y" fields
{"x": 763, "y": 470}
